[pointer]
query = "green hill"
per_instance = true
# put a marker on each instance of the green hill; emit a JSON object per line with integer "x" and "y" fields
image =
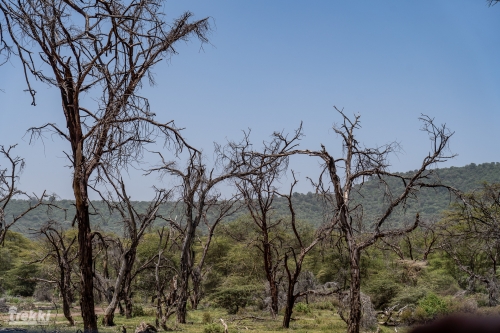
{"x": 429, "y": 203}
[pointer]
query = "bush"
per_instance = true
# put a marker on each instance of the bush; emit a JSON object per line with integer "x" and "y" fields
{"x": 463, "y": 305}
{"x": 232, "y": 299}
{"x": 137, "y": 310}
{"x": 482, "y": 299}
{"x": 207, "y": 318}
{"x": 382, "y": 291}
{"x": 213, "y": 328}
{"x": 409, "y": 296}
{"x": 430, "y": 307}
{"x": 433, "y": 305}
{"x": 302, "y": 307}
{"x": 406, "y": 317}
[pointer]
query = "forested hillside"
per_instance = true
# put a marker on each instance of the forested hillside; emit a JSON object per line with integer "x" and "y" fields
{"x": 429, "y": 202}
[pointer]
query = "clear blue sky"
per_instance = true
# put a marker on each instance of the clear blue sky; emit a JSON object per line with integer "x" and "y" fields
{"x": 272, "y": 64}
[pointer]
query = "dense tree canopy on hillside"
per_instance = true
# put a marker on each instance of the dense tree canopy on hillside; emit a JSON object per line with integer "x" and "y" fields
{"x": 430, "y": 203}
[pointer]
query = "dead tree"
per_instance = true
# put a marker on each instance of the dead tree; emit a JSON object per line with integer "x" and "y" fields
{"x": 220, "y": 209}
{"x": 342, "y": 177}
{"x": 297, "y": 253}
{"x": 258, "y": 193}
{"x": 9, "y": 176}
{"x": 199, "y": 198}
{"x": 135, "y": 225}
{"x": 62, "y": 250}
{"x": 106, "y": 49}
{"x": 166, "y": 287}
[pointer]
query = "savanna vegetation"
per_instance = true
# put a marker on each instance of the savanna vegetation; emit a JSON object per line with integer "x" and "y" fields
{"x": 406, "y": 279}
{"x": 369, "y": 250}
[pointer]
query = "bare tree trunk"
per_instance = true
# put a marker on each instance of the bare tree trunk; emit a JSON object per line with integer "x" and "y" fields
{"x": 128, "y": 307}
{"x": 290, "y": 302}
{"x": 66, "y": 295}
{"x": 185, "y": 271}
{"x": 67, "y": 308}
{"x": 273, "y": 285}
{"x": 196, "y": 292}
{"x": 127, "y": 286}
{"x": 355, "y": 295}
{"x": 120, "y": 308}
{"x": 109, "y": 313}
{"x": 85, "y": 253}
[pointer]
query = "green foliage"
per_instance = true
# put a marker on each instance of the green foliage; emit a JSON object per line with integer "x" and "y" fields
{"x": 144, "y": 283}
{"x": 233, "y": 298}
{"x": 19, "y": 280}
{"x": 325, "y": 305}
{"x": 17, "y": 276}
{"x": 432, "y": 306}
{"x": 307, "y": 206}
{"x": 206, "y": 318}
{"x": 410, "y": 295}
{"x": 138, "y": 310}
{"x": 438, "y": 278}
{"x": 213, "y": 328}
{"x": 430, "y": 202}
{"x": 382, "y": 289}
{"x": 302, "y": 308}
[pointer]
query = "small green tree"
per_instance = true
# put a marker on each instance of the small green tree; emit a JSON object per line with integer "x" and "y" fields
{"x": 433, "y": 306}
{"x": 232, "y": 298}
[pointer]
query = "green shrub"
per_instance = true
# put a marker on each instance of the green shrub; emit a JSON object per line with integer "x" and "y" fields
{"x": 382, "y": 291}
{"x": 149, "y": 312}
{"x": 207, "y": 318}
{"x": 419, "y": 316}
{"x": 233, "y": 298}
{"x": 302, "y": 307}
{"x": 137, "y": 310}
{"x": 19, "y": 280}
{"x": 410, "y": 296}
{"x": 213, "y": 328}
{"x": 430, "y": 307}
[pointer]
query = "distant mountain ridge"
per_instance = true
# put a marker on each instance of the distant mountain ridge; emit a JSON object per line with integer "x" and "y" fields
{"x": 430, "y": 202}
